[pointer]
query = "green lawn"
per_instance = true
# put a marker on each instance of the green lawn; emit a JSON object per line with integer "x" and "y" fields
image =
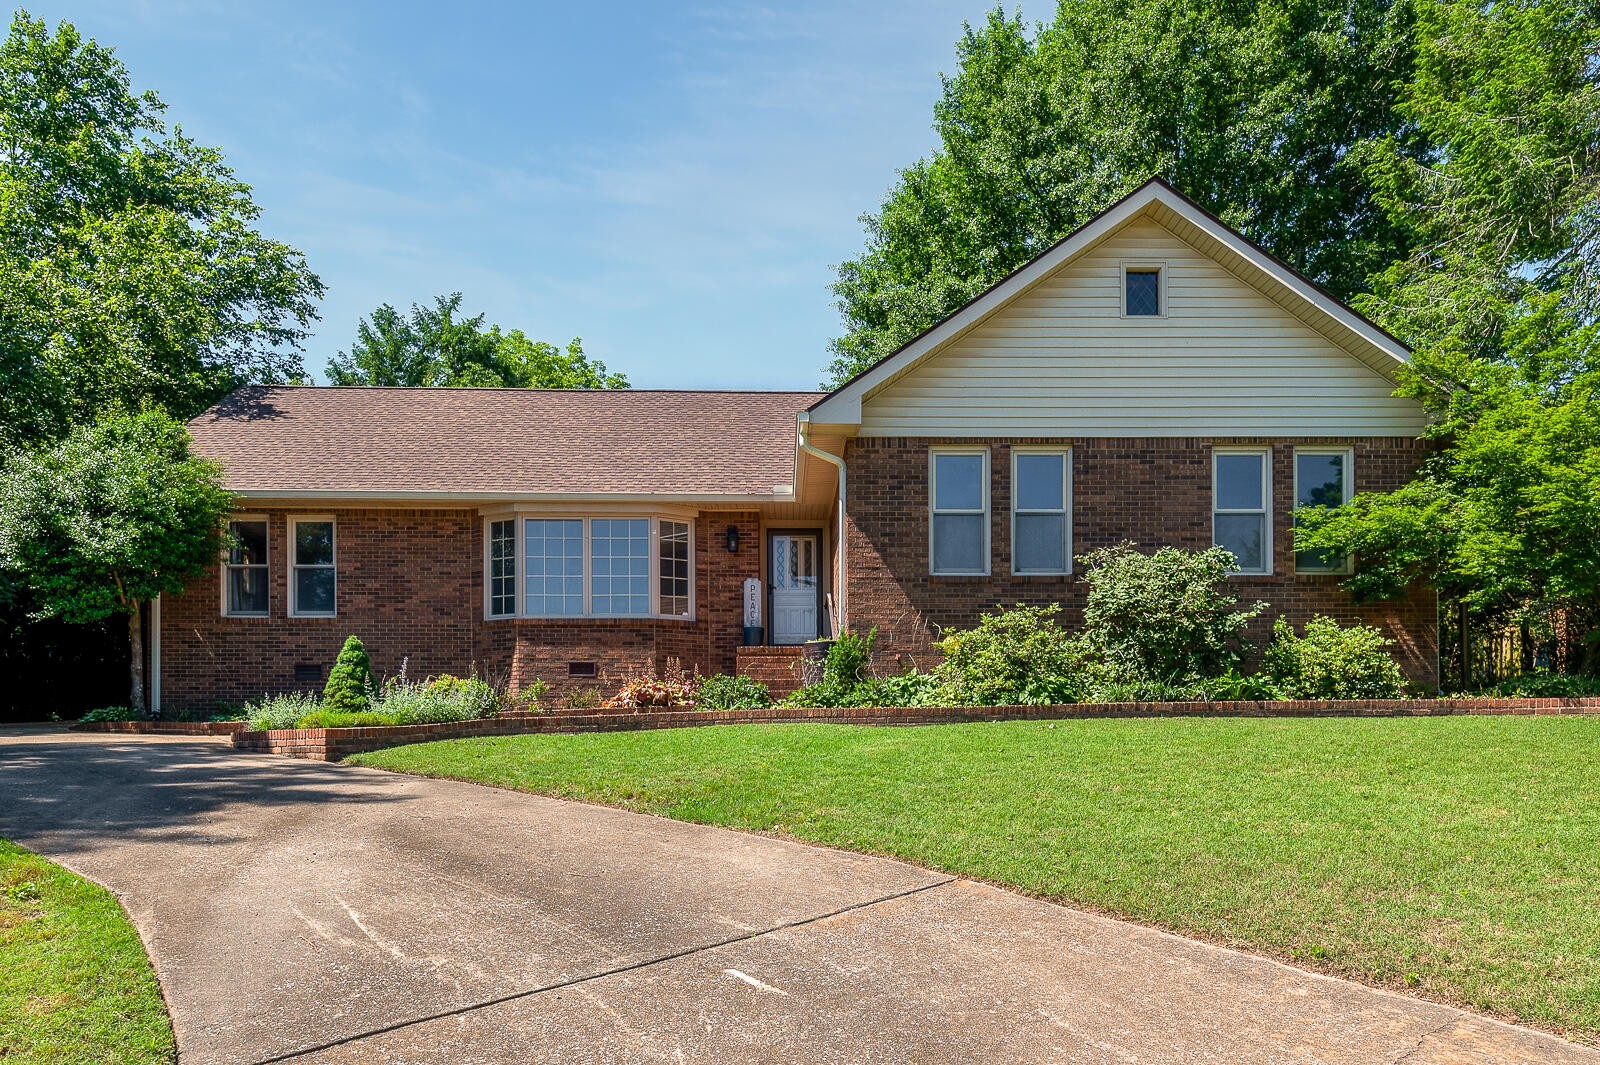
{"x": 75, "y": 984}
{"x": 1459, "y": 857}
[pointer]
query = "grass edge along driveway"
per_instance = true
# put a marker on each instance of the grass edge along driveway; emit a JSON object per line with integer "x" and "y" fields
{"x": 75, "y": 982}
{"x": 1454, "y": 857}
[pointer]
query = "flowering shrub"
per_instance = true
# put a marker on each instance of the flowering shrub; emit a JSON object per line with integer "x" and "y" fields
{"x": 442, "y": 698}
{"x": 281, "y": 711}
{"x": 1332, "y": 661}
{"x": 673, "y": 688}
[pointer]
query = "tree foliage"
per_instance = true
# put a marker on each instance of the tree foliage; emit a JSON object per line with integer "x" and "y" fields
{"x": 435, "y": 347}
{"x": 131, "y": 269}
{"x": 1257, "y": 110}
{"x": 1499, "y": 301}
{"x": 112, "y": 516}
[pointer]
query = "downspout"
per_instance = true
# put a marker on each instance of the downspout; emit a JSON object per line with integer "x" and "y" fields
{"x": 155, "y": 656}
{"x": 804, "y": 419}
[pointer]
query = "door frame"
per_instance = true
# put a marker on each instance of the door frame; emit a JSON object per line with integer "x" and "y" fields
{"x": 822, "y": 575}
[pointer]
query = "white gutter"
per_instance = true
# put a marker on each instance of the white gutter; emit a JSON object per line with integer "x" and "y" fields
{"x": 841, "y": 591}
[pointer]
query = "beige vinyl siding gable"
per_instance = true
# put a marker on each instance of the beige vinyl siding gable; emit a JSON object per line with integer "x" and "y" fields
{"x": 1061, "y": 360}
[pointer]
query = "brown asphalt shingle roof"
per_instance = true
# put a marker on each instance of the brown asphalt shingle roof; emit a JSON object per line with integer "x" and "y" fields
{"x": 502, "y": 440}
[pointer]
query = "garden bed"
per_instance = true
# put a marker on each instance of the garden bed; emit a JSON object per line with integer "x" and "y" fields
{"x": 332, "y": 744}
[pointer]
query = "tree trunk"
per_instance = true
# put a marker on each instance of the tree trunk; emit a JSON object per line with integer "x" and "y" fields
{"x": 136, "y": 659}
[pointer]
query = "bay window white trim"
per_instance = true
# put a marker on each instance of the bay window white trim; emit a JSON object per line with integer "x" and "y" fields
{"x": 519, "y": 517}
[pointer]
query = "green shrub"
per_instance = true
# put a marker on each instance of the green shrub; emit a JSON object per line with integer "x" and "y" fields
{"x": 280, "y": 711}
{"x": 1020, "y": 655}
{"x": 343, "y": 719}
{"x": 349, "y": 688}
{"x": 111, "y": 713}
{"x": 1332, "y": 661}
{"x": 732, "y": 693}
{"x": 1168, "y": 617}
{"x": 902, "y": 689}
{"x": 583, "y": 698}
{"x": 534, "y": 695}
{"x": 849, "y": 659}
{"x": 443, "y": 698}
{"x": 1542, "y": 686}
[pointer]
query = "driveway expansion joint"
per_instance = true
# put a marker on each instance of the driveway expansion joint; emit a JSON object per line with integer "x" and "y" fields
{"x": 645, "y": 963}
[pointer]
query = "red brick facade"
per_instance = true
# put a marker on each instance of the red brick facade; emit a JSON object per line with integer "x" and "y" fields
{"x": 410, "y": 585}
{"x": 1153, "y": 492}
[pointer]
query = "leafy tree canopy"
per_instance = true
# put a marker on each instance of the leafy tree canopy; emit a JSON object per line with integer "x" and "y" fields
{"x": 131, "y": 269}
{"x": 109, "y": 517}
{"x": 434, "y": 347}
{"x": 1257, "y": 110}
{"x": 1499, "y": 299}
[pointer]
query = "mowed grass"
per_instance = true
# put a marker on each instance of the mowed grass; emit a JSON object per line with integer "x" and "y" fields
{"x": 75, "y": 983}
{"x": 1455, "y": 857}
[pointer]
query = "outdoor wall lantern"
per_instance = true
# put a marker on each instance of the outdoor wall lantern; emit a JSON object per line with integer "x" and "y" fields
{"x": 733, "y": 539}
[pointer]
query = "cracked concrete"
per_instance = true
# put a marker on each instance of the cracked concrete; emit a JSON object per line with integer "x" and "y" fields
{"x": 304, "y": 912}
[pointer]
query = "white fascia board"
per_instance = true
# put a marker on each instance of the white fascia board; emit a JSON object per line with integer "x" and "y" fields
{"x": 380, "y": 497}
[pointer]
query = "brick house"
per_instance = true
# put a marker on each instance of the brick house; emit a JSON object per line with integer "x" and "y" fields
{"x": 1153, "y": 377}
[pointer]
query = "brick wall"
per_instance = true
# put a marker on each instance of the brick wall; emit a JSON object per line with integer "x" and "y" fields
{"x": 406, "y": 586}
{"x": 1154, "y": 492}
{"x": 776, "y": 667}
{"x": 410, "y": 584}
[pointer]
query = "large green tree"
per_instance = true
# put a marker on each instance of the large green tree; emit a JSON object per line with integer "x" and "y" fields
{"x": 108, "y": 518}
{"x": 1500, "y": 302}
{"x": 131, "y": 268}
{"x": 435, "y": 347}
{"x": 1258, "y": 110}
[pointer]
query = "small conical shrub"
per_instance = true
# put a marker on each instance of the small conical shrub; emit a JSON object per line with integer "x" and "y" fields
{"x": 350, "y": 680}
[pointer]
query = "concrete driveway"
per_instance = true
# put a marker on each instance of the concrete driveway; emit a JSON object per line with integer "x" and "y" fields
{"x": 322, "y": 913}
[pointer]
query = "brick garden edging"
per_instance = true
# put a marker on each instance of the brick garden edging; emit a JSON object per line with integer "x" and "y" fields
{"x": 176, "y": 728}
{"x": 330, "y": 745}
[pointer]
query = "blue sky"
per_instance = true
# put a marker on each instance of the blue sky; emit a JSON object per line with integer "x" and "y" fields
{"x": 670, "y": 182}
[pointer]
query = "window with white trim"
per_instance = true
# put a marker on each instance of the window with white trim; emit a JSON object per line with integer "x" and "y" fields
{"x": 673, "y": 568}
{"x": 589, "y": 567}
{"x": 1041, "y": 522}
{"x": 619, "y": 562}
{"x": 1241, "y": 507}
{"x": 553, "y": 555}
{"x": 245, "y": 574}
{"x": 1323, "y": 477}
{"x": 502, "y": 568}
{"x": 313, "y": 588}
{"x": 958, "y": 501}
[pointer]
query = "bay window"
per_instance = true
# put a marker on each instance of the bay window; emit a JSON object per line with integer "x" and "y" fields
{"x": 589, "y": 567}
{"x": 1240, "y": 512}
{"x": 958, "y": 500}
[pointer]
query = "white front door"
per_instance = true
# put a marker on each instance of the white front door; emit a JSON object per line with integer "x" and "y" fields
{"x": 795, "y": 587}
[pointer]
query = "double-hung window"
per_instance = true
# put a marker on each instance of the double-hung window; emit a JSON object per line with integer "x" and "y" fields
{"x": 1241, "y": 518}
{"x": 1322, "y": 478}
{"x": 959, "y": 511}
{"x": 502, "y": 568}
{"x": 244, "y": 587}
{"x": 589, "y": 567}
{"x": 1041, "y": 522}
{"x": 313, "y": 587}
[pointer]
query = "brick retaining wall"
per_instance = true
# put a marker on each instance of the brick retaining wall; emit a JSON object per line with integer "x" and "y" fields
{"x": 333, "y": 744}
{"x": 176, "y": 728}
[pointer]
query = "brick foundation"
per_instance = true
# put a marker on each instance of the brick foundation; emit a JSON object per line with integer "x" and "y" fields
{"x": 1154, "y": 492}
